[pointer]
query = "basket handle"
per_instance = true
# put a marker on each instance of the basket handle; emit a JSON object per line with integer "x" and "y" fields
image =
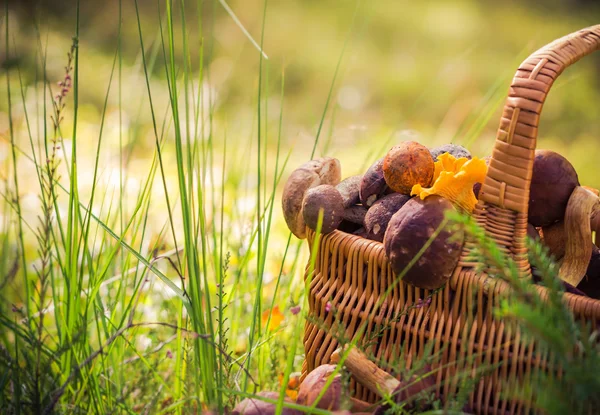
{"x": 504, "y": 199}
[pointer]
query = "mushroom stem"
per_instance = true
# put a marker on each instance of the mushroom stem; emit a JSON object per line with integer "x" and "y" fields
{"x": 367, "y": 373}
{"x": 578, "y": 250}
{"x": 555, "y": 239}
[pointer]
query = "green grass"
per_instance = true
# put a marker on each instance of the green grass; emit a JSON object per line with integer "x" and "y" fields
{"x": 141, "y": 236}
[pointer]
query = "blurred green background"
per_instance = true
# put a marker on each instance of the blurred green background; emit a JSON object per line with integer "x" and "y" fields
{"x": 426, "y": 68}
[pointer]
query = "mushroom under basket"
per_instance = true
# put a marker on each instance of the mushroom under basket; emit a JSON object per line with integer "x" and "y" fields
{"x": 352, "y": 274}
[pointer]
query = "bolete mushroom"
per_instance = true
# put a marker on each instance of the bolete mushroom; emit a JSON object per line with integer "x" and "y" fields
{"x": 324, "y": 170}
{"x": 412, "y": 392}
{"x": 255, "y": 406}
{"x": 590, "y": 284}
{"x": 552, "y": 182}
{"x": 454, "y": 149}
{"x": 349, "y": 188}
{"x": 407, "y": 164}
{"x": 410, "y": 229}
{"x": 373, "y": 185}
{"x": 571, "y": 239}
{"x": 329, "y": 200}
{"x": 379, "y": 215}
{"x": 333, "y": 397}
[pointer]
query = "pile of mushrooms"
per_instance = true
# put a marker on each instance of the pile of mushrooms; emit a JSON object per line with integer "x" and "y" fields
{"x": 400, "y": 201}
{"x": 402, "y": 198}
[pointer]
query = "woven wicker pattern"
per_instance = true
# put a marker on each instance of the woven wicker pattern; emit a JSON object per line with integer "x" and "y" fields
{"x": 352, "y": 274}
{"x": 504, "y": 196}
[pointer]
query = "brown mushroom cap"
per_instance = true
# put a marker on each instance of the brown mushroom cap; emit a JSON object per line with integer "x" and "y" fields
{"x": 327, "y": 198}
{"x": 454, "y": 149}
{"x": 349, "y": 188}
{"x": 254, "y": 406}
{"x": 379, "y": 215}
{"x": 407, "y": 164}
{"x": 408, "y": 231}
{"x": 373, "y": 184}
{"x": 325, "y": 170}
{"x": 553, "y": 180}
{"x": 355, "y": 214}
{"x": 311, "y": 388}
{"x": 532, "y": 232}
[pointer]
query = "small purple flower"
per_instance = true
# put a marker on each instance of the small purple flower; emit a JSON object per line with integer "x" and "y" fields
{"x": 169, "y": 354}
{"x": 328, "y": 307}
{"x": 295, "y": 310}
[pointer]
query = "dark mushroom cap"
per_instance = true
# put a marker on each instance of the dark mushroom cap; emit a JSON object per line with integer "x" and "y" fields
{"x": 355, "y": 214}
{"x": 327, "y": 198}
{"x": 553, "y": 180}
{"x": 532, "y": 232}
{"x": 349, "y": 188}
{"x": 325, "y": 170}
{"x": 408, "y": 231}
{"x": 254, "y": 406}
{"x": 379, "y": 215}
{"x": 407, "y": 164}
{"x": 349, "y": 227}
{"x": 590, "y": 284}
{"x": 373, "y": 184}
{"x": 311, "y": 388}
{"x": 454, "y": 149}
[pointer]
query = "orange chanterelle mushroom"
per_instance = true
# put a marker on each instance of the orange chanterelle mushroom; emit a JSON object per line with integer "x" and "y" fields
{"x": 453, "y": 179}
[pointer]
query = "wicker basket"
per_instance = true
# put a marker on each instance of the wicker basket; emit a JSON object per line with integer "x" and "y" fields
{"x": 351, "y": 273}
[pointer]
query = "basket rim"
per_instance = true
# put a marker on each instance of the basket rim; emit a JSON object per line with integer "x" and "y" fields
{"x": 580, "y": 305}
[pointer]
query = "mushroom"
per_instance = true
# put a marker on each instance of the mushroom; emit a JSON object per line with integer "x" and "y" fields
{"x": 379, "y": 215}
{"x": 349, "y": 188}
{"x": 578, "y": 252}
{"x": 373, "y": 185}
{"x": 454, "y": 149}
{"x": 532, "y": 232}
{"x": 590, "y": 284}
{"x": 324, "y": 170}
{"x": 410, "y": 229}
{"x": 412, "y": 392}
{"x": 333, "y": 396}
{"x": 324, "y": 198}
{"x": 407, "y": 164}
{"x": 349, "y": 227}
{"x": 454, "y": 179}
{"x": 571, "y": 240}
{"x": 554, "y": 238}
{"x": 255, "y": 406}
{"x": 552, "y": 182}
{"x": 328, "y": 199}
